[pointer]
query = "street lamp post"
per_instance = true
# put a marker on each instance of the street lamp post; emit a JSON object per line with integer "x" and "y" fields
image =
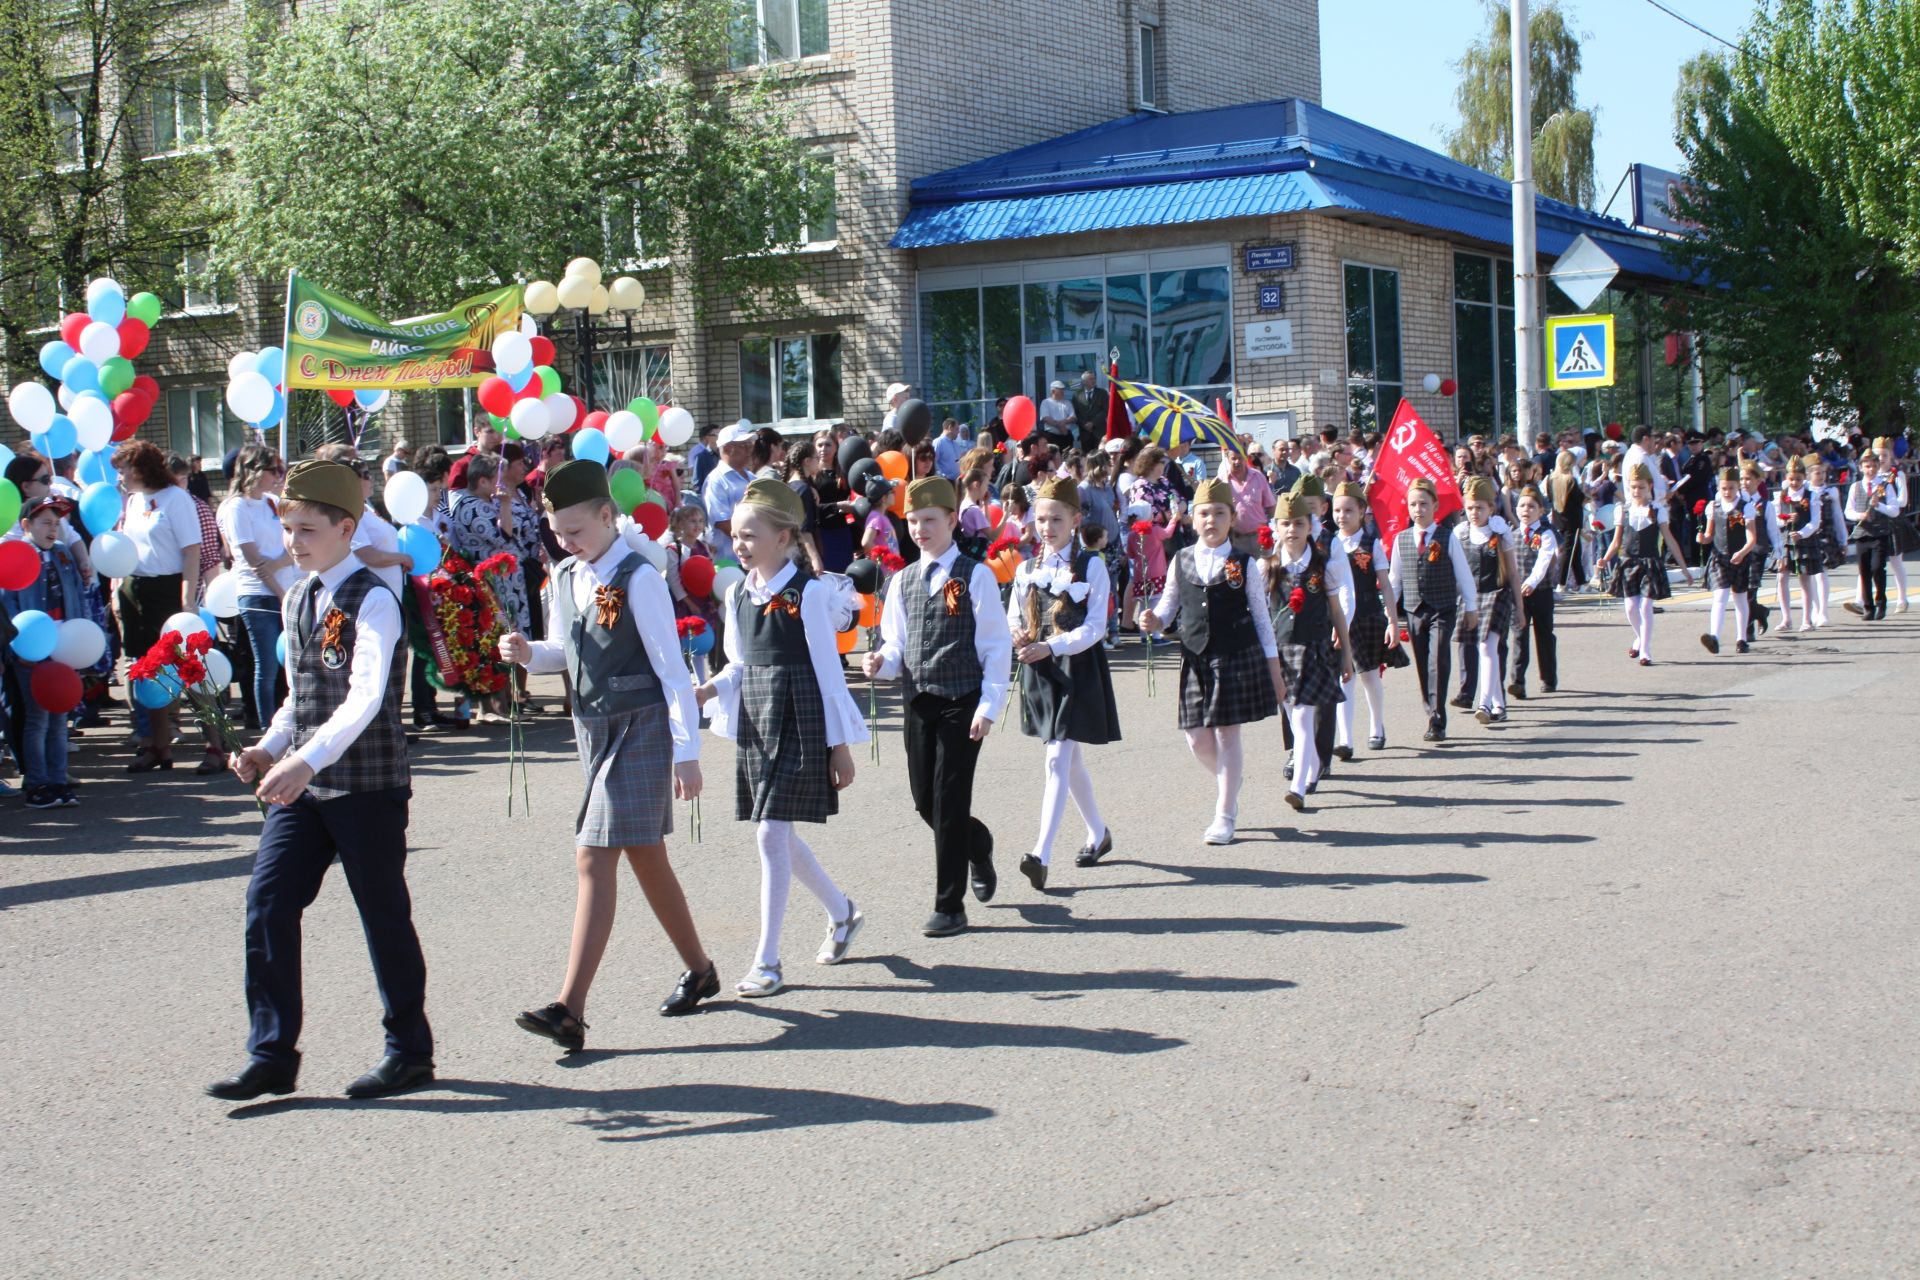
{"x": 581, "y": 293}
{"x": 1526, "y": 265}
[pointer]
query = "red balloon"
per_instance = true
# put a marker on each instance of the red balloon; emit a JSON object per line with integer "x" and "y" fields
{"x": 652, "y": 519}
{"x": 1448, "y": 386}
{"x": 125, "y": 431}
{"x": 133, "y": 337}
{"x": 1613, "y": 431}
{"x": 19, "y": 565}
{"x": 130, "y": 409}
{"x": 696, "y": 573}
{"x": 1018, "y": 417}
{"x": 147, "y": 389}
{"x": 496, "y": 396}
{"x": 597, "y": 420}
{"x": 56, "y": 687}
{"x": 543, "y": 352}
{"x": 70, "y": 328}
{"x": 342, "y": 398}
{"x": 531, "y": 391}
{"x": 579, "y": 413}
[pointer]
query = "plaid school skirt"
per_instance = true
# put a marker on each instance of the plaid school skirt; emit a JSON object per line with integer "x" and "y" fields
{"x": 628, "y": 759}
{"x": 1642, "y": 576}
{"x": 780, "y": 758}
{"x": 1493, "y": 616}
{"x": 1313, "y": 675}
{"x": 1724, "y": 575}
{"x": 1217, "y": 690}
{"x": 1368, "y": 631}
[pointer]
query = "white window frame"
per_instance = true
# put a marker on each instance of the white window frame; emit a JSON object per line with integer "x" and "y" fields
{"x": 762, "y": 50}
{"x": 1349, "y": 382}
{"x": 1146, "y": 84}
{"x": 67, "y": 130}
{"x": 823, "y": 160}
{"x": 189, "y": 262}
{"x": 171, "y": 81}
{"x": 774, "y": 341}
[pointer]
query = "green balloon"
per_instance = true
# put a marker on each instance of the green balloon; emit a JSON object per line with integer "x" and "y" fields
{"x": 628, "y": 489}
{"x": 144, "y": 307}
{"x": 116, "y": 375}
{"x": 9, "y": 504}
{"x": 649, "y": 414}
{"x": 549, "y": 381}
{"x": 509, "y": 432}
{"x": 653, "y": 496}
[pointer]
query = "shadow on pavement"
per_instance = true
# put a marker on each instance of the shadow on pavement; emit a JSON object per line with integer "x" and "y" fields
{"x": 21, "y": 895}
{"x": 1045, "y": 918}
{"x": 1255, "y": 878}
{"x": 970, "y": 979}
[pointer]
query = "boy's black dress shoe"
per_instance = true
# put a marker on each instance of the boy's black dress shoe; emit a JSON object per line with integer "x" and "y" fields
{"x": 985, "y": 879}
{"x": 253, "y": 1080}
{"x": 689, "y": 992}
{"x": 557, "y": 1023}
{"x": 1035, "y": 871}
{"x": 391, "y": 1075}
{"x": 944, "y": 924}
{"x": 1093, "y": 853}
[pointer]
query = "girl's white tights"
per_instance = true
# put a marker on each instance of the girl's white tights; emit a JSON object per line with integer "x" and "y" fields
{"x": 1492, "y": 694}
{"x": 1898, "y": 563}
{"x": 1306, "y": 755}
{"x": 1369, "y": 682}
{"x": 1640, "y": 618}
{"x": 784, "y": 855}
{"x": 1220, "y": 753}
{"x": 1067, "y": 775}
{"x": 1820, "y": 599}
{"x": 1719, "y": 611}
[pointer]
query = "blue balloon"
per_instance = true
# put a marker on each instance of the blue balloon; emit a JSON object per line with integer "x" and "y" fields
{"x": 368, "y": 399}
{"x": 702, "y": 644}
{"x": 271, "y": 364}
{"x": 213, "y": 623}
{"x": 57, "y": 441}
{"x": 280, "y": 648}
{"x": 591, "y": 443}
{"x": 54, "y": 357}
{"x": 520, "y": 379}
{"x": 93, "y": 469}
{"x": 152, "y": 694}
{"x": 422, "y": 546}
{"x": 110, "y": 307}
{"x": 100, "y": 506}
{"x": 277, "y": 412}
{"x": 37, "y": 635}
{"x": 6, "y": 456}
{"x": 80, "y": 374}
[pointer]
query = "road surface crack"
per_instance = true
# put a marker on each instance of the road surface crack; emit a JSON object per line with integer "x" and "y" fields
{"x": 1139, "y": 1211}
{"x": 1421, "y": 1028}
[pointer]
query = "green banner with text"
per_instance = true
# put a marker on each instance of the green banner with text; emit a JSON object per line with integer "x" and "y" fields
{"x": 336, "y": 345}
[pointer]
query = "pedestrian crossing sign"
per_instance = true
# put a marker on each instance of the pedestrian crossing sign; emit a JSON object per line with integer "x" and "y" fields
{"x": 1580, "y": 352}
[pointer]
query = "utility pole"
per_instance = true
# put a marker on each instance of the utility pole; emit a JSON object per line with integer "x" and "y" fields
{"x": 1526, "y": 258}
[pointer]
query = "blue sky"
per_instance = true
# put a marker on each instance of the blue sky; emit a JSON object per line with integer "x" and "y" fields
{"x": 1389, "y": 64}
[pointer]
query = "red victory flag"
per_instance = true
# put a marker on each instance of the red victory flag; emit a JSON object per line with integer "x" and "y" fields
{"x": 1410, "y": 450}
{"x": 1119, "y": 424}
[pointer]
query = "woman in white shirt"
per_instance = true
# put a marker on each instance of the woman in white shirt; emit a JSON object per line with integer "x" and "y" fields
{"x": 250, "y": 526}
{"x": 161, "y": 520}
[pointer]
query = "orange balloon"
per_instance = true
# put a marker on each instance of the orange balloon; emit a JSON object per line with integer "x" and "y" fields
{"x": 898, "y": 503}
{"x": 893, "y": 465}
{"x": 1003, "y": 566}
{"x": 846, "y": 640}
{"x": 869, "y": 612}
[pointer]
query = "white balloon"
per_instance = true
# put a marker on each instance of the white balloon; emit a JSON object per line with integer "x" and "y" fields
{"x": 98, "y": 287}
{"x": 1431, "y": 382}
{"x": 530, "y": 419}
{"x": 31, "y": 405}
{"x": 624, "y": 430}
{"x": 725, "y": 578}
{"x": 512, "y": 352}
{"x": 676, "y": 426}
{"x": 250, "y": 396}
{"x": 242, "y": 362}
{"x": 92, "y": 422}
{"x": 114, "y": 555}
{"x": 219, "y": 672}
{"x": 528, "y": 325}
{"x": 80, "y": 644}
{"x": 66, "y": 395}
{"x": 222, "y": 597}
{"x": 99, "y": 342}
{"x": 560, "y": 411}
{"x": 187, "y": 624}
{"x": 406, "y": 495}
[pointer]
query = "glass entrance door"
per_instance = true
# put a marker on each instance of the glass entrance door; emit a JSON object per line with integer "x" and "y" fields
{"x": 1060, "y": 362}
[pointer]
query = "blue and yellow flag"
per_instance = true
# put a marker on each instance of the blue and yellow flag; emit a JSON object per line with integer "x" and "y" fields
{"x": 1167, "y": 417}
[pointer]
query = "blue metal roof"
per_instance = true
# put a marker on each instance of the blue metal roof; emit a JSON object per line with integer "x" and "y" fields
{"x": 1285, "y": 156}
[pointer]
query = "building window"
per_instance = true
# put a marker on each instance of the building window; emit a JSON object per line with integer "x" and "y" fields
{"x": 790, "y": 379}
{"x": 1149, "y": 52}
{"x": 1192, "y": 327}
{"x": 766, "y": 31}
{"x": 620, "y": 231}
{"x": 183, "y": 107}
{"x": 1373, "y": 346}
{"x": 198, "y": 424}
{"x": 816, "y": 222}
{"x": 67, "y": 117}
{"x": 187, "y": 281}
{"x": 1483, "y": 361}
{"x": 619, "y": 377}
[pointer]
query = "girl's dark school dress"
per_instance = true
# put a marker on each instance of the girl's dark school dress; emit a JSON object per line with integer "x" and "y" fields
{"x": 1485, "y": 562}
{"x": 1643, "y": 561}
{"x": 1305, "y": 635}
{"x": 1808, "y": 555}
{"x": 781, "y": 762}
{"x": 1368, "y": 626}
{"x": 1729, "y": 535}
{"x": 1067, "y": 699}
{"x": 1224, "y": 679}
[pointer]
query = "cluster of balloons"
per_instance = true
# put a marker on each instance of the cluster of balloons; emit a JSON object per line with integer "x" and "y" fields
{"x": 524, "y": 392}
{"x": 62, "y": 650}
{"x": 257, "y": 386}
{"x": 101, "y": 400}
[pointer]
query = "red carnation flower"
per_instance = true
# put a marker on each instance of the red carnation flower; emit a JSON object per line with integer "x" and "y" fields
{"x": 1005, "y": 542}
{"x": 1297, "y": 599}
{"x": 888, "y": 560}
{"x": 1700, "y": 507}
{"x": 1142, "y": 527}
{"x": 199, "y": 642}
{"x": 690, "y": 627}
{"x": 1265, "y": 538}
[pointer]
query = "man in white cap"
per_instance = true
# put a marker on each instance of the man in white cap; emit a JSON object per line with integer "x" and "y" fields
{"x": 896, "y": 396}
{"x": 1057, "y": 422}
{"x": 727, "y": 485}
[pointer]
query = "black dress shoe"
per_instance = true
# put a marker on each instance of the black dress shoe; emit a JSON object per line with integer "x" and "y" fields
{"x": 253, "y": 1080}
{"x": 1343, "y": 753}
{"x": 1518, "y": 690}
{"x": 1093, "y": 853}
{"x": 944, "y": 924}
{"x": 392, "y": 1075}
{"x": 691, "y": 990}
{"x": 1035, "y": 871}
{"x": 557, "y": 1023}
{"x": 1549, "y": 688}
{"x": 1464, "y": 702}
{"x": 985, "y": 879}
{"x": 1434, "y": 735}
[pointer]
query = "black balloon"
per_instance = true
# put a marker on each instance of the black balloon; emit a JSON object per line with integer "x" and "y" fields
{"x": 914, "y": 420}
{"x": 864, "y": 470}
{"x": 852, "y": 449}
{"x": 862, "y": 508}
{"x": 865, "y": 575}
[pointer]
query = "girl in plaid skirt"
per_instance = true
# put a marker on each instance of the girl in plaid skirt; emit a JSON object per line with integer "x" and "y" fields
{"x": 1372, "y": 620}
{"x": 1306, "y": 585}
{"x": 1496, "y": 577}
{"x": 783, "y": 700}
{"x": 1229, "y": 662}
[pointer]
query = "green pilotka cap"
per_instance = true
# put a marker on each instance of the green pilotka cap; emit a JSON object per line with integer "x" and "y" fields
{"x": 572, "y": 483}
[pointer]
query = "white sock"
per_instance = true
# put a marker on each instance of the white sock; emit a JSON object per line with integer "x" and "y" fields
{"x": 1080, "y": 785}
{"x": 1742, "y": 613}
{"x": 776, "y": 878}
{"x": 1053, "y": 800}
{"x": 1491, "y": 694}
{"x": 1820, "y": 592}
{"x": 1306, "y": 756}
{"x": 1233, "y": 763}
{"x": 1376, "y": 697}
{"x": 1343, "y": 721}
{"x": 1898, "y": 563}
{"x": 1718, "y": 611}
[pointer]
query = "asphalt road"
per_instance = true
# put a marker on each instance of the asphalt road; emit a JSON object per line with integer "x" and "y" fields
{"x": 1622, "y": 987}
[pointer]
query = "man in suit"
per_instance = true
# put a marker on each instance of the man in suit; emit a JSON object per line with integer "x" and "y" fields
{"x": 1090, "y": 411}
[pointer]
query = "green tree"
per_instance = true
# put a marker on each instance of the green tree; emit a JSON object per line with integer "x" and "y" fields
{"x": 1812, "y": 311}
{"x": 90, "y": 90}
{"x": 1562, "y": 129}
{"x": 412, "y": 153}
